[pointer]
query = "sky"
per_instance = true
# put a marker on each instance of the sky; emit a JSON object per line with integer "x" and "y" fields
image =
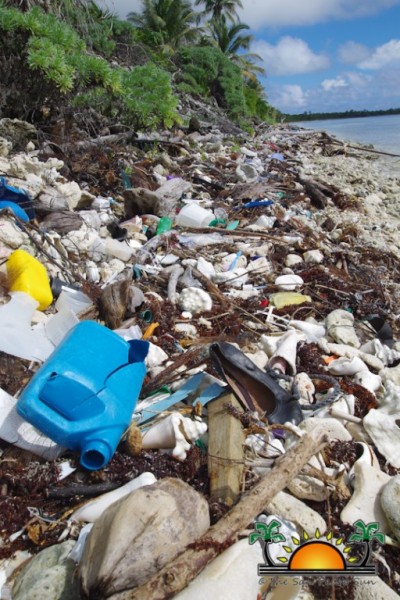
{"x": 321, "y": 55}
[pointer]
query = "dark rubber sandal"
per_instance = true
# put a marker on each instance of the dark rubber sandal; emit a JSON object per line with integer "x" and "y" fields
{"x": 255, "y": 389}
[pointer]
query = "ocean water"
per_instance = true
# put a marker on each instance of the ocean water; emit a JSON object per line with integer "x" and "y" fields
{"x": 382, "y": 132}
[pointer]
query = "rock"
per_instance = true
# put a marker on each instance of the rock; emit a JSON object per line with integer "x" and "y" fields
{"x": 246, "y": 173}
{"x": 62, "y": 221}
{"x": 5, "y": 147}
{"x": 139, "y": 534}
{"x": 365, "y": 501}
{"x": 11, "y": 235}
{"x": 50, "y": 575}
{"x": 293, "y": 259}
{"x": 313, "y": 257}
{"x": 17, "y": 132}
{"x": 372, "y": 588}
{"x": 140, "y": 201}
{"x": 289, "y": 282}
{"x": 290, "y": 508}
{"x": 231, "y": 570}
{"x": 308, "y": 488}
{"x": 332, "y": 427}
{"x": 390, "y": 502}
{"x": 385, "y": 433}
{"x": 340, "y": 327}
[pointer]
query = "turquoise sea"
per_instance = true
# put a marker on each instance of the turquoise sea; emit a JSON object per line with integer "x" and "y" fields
{"x": 383, "y": 132}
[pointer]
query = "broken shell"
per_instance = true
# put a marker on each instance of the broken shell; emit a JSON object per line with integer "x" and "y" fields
{"x": 174, "y": 432}
{"x": 365, "y": 501}
{"x": 367, "y": 457}
{"x": 304, "y": 387}
{"x": 312, "y": 331}
{"x": 387, "y": 355}
{"x": 368, "y": 380}
{"x": 286, "y": 351}
{"x": 347, "y": 366}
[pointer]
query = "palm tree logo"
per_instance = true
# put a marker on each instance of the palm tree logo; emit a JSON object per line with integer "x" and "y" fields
{"x": 268, "y": 534}
{"x": 367, "y": 533}
{"x": 323, "y": 555}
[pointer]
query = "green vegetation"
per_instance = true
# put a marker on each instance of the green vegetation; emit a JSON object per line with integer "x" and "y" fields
{"x": 349, "y": 114}
{"x": 65, "y": 55}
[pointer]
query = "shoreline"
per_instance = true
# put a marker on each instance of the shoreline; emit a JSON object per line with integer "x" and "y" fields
{"x": 321, "y": 212}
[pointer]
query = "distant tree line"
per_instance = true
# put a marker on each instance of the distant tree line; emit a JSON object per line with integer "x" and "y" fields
{"x": 348, "y": 114}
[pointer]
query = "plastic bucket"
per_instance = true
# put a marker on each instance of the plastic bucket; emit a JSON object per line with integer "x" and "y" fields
{"x": 194, "y": 215}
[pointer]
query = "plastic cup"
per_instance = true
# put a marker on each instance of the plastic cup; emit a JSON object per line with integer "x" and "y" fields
{"x": 194, "y": 215}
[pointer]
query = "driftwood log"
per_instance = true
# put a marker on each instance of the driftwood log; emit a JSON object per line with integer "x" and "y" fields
{"x": 177, "y": 575}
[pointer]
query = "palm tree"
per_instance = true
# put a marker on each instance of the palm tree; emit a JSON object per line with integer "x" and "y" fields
{"x": 166, "y": 23}
{"x": 365, "y": 534}
{"x": 230, "y": 41}
{"x": 217, "y": 8}
{"x": 268, "y": 534}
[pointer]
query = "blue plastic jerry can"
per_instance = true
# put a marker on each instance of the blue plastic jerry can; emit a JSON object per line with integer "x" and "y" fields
{"x": 18, "y": 196}
{"x": 84, "y": 394}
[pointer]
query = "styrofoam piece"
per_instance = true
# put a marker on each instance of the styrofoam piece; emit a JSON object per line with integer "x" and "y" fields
{"x": 15, "y": 430}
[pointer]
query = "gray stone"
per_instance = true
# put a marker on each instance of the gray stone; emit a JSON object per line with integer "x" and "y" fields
{"x": 290, "y": 508}
{"x": 139, "y": 534}
{"x": 50, "y": 575}
{"x": 17, "y": 132}
{"x": 390, "y": 502}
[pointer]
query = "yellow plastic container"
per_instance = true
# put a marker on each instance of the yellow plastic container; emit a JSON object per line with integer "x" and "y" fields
{"x": 26, "y": 274}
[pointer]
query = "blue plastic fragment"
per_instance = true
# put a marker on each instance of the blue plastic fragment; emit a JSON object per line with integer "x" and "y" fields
{"x": 16, "y": 209}
{"x": 17, "y": 195}
{"x": 193, "y": 390}
{"x": 277, "y": 156}
{"x": 257, "y": 203}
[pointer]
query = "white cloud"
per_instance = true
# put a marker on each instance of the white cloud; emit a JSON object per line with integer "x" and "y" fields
{"x": 352, "y": 53}
{"x": 382, "y": 56}
{"x": 280, "y": 13}
{"x": 291, "y": 56}
{"x": 289, "y": 97}
{"x": 331, "y": 84}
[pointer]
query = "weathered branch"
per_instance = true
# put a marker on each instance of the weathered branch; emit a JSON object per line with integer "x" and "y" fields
{"x": 177, "y": 575}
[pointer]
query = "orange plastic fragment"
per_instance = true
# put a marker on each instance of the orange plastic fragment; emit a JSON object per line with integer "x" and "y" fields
{"x": 150, "y": 330}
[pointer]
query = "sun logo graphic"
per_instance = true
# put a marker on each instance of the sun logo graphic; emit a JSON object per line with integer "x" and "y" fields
{"x": 322, "y": 555}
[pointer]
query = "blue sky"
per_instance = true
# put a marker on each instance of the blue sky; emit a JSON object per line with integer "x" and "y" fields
{"x": 322, "y": 55}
